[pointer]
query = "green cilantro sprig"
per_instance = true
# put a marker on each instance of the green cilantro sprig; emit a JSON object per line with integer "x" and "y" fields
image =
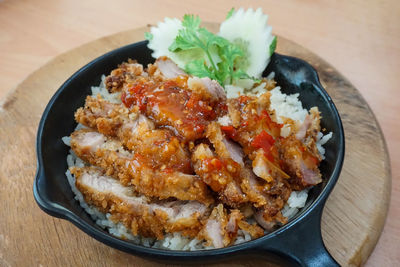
{"x": 218, "y": 54}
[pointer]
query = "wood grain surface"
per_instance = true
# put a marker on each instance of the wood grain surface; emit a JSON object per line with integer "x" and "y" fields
{"x": 360, "y": 38}
{"x": 352, "y": 220}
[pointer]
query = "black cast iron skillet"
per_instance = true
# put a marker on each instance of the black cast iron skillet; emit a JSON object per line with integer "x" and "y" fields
{"x": 298, "y": 242}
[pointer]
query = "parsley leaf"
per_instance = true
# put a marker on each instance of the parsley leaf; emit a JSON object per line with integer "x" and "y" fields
{"x": 226, "y": 66}
{"x": 200, "y": 69}
{"x": 272, "y": 46}
{"x": 230, "y": 13}
{"x": 218, "y": 56}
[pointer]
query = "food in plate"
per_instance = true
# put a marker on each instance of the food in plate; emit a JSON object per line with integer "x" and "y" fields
{"x": 168, "y": 159}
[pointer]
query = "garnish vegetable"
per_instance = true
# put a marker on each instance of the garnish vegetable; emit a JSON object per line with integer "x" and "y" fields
{"x": 238, "y": 54}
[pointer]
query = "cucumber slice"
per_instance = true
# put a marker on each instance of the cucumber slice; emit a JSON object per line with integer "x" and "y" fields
{"x": 249, "y": 29}
{"x": 162, "y": 36}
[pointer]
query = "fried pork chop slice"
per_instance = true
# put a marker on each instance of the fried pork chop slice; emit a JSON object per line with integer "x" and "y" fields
{"x": 221, "y": 175}
{"x": 300, "y": 163}
{"x": 164, "y": 68}
{"x": 221, "y": 228}
{"x": 253, "y": 128}
{"x": 235, "y": 184}
{"x": 171, "y": 103}
{"x": 224, "y": 147}
{"x": 231, "y": 151}
{"x": 208, "y": 89}
{"x": 125, "y": 73}
{"x": 269, "y": 198}
{"x": 135, "y": 211}
{"x": 294, "y": 158}
{"x": 299, "y": 154}
{"x": 160, "y": 147}
{"x": 131, "y": 169}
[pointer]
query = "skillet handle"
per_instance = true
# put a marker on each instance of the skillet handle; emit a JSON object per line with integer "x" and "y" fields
{"x": 302, "y": 242}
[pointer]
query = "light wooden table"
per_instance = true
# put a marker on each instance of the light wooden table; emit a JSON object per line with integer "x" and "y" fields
{"x": 360, "y": 38}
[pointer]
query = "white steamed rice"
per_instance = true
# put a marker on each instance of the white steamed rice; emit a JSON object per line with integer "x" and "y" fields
{"x": 284, "y": 105}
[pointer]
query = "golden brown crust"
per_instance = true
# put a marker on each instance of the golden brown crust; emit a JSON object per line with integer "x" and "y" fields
{"x": 159, "y": 147}
{"x": 300, "y": 162}
{"x": 221, "y": 227}
{"x": 140, "y": 219}
{"x": 254, "y": 230}
{"x": 214, "y": 230}
{"x": 125, "y": 73}
{"x": 219, "y": 174}
{"x": 131, "y": 171}
{"x": 157, "y": 155}
{"x": 214, "y": 134}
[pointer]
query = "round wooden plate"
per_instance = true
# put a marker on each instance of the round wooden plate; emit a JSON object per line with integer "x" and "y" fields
{"x": 353, "y": 217}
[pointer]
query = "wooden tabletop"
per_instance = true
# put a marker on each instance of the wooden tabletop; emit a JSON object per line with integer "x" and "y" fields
{"x": 359, "y": 38}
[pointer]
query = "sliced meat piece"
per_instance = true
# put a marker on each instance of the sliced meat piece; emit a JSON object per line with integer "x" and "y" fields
{"x": 214, "y": 229}
{"x": 210, "y": 90}
{"x": 250, "y": 117}
{"x": 256, "y": 191}
{"x": 263, "y": 195}
{"x": 224, "y": 148}
{"x": 232, "y": 151}
{"x": 315, "y": 122}
{"x": 310, "y": 126}
{"x": 260, "y": 167}
{"x": 299, "y": 153}
{"x": 159, "y": 147}
{"x": 254, "y": 130}
{"x": 125, "y": 73}
{"x": 168, "y": 68}
{"x": 130, "y": 169}
{"x": 269, "y": 223}
{"x": 299, "y": 162}
{"x": 284, "y": 157}
{"x": 137, "y": 212}
{"x": 236, "y": 221}
{"x": 219, "y": 174}
{"x": 263, "y": 102}
{"x": 254, "y": 230}
{"x": 100, "y": 114}
{"x": 310, "y": 139}
{"x": 249, "y": 112}
{"x": 302, "y": 131}
{"x": 266, "y": 169}
{"x": 232, "y": 225}
{"x": 233, "y": 195}
{"x": 221, "y": 228}
{"x": 171, "y": 104}
{"x": 257, "y": 133}
{"x": 252, "y": 188}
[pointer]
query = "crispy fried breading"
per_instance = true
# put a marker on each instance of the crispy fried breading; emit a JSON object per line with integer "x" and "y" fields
{"x": 159, "y": 147}
{"x": 137, "y": 212}
{"x": 108, "y": 154}
{"x": 221, "y": 227}
{"x": 219, "y": 174}
{"x": 300, "y": 163}
{"x": 171, "y": 103}
{"x": 178, "y": 156}
{"x": 125, "y": 73}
